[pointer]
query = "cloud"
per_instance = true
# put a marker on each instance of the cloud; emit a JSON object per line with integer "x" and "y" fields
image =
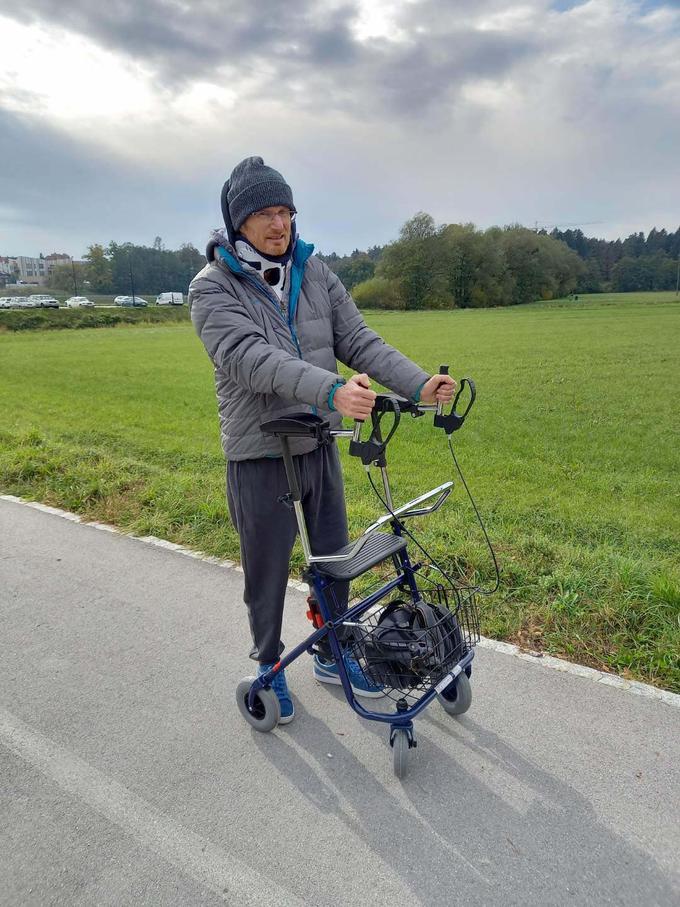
{"x": 483, "y": 111}
{"x": 59, "y": 192}
{"x": 307, "y": 55}
{"x": 186, "y": 41}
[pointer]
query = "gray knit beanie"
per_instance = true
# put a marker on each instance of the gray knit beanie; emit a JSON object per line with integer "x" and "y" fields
{"x": 251, "y": 187}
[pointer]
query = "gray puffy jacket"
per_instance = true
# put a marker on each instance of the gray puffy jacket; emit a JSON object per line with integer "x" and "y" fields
{"x": 268, "y": 365}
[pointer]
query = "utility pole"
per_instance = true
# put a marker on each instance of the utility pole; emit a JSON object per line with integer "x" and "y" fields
{"x": 75, "y": 283}
{"x": 132, "y": 282}
{"x": 677, "y": 279}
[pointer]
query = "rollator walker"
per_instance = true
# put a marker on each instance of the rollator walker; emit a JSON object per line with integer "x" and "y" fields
{"x": 415, "y": 634}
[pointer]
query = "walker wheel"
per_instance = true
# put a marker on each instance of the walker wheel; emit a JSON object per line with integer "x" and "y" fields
{"x": 400, "y": 752}
{"x": 266, "y": 709}
{"x": 457, "y": 697}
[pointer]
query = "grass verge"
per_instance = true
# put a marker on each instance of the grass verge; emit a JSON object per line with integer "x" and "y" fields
{"x": 571, "y": 452}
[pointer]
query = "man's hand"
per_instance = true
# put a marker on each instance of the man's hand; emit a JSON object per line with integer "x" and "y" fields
{"x": 439, "y": 389}
{"x": 354, "y": 399}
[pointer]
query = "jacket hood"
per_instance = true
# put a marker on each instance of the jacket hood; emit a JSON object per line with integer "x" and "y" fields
{"x": 218, "y": 238}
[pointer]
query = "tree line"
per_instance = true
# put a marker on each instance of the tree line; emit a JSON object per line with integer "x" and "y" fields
{"x": 635, "y": 263}
{"x": 119, "y": 267}
{"x": 432, "y": 266}
{"x": 457, "y": 265}
{"x": 428, "y": 266}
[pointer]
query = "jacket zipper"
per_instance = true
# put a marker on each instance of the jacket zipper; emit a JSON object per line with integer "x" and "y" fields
{"x": 275, "y": 302}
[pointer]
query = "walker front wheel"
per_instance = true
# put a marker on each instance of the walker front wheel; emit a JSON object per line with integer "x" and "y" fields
{"x": 400, "y": 752}
{"x": 266, "y": 710}
{"x": 457, "y": 697}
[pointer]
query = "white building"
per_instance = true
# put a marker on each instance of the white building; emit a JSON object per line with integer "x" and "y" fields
{"x": 24, "y": 269}
{"x": 56, "y": 260}
{"x": 31, "y": 270}
{"x": 6, "y": 271}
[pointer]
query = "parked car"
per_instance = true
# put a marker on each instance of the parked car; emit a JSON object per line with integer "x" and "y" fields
{"x": 130, "y": 301}
{"x": 79, "y": 302}
{"x": 6, "y": 302}
{"x": 43, "y": 301}
{"x": 170, "y": 299}
{"x": 23, "y": 302}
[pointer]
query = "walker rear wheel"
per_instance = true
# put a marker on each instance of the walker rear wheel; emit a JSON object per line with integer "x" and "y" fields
{"x": 266, "y": 710}
{"x": 457, "y": 697}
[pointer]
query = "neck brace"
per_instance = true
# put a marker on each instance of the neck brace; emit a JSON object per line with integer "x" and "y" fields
{"x": 272, "y": 270}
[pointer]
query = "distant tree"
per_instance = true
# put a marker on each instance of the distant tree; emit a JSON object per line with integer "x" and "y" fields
{"x": 575, "y": 240}
{"x": 154, "y": 269}
{"x": 188, "y": 262}
{"x": 649, "y": 272}
{"x": 126, "y": 274}
{"x": 590, "y": 280}
{"x": 673, "y": 244}
{"x": 98, "y": 270}
{"x": 657, "y": 241}
{"x": 61, "y": 277}
{"x": 420, "y": 226}
{"x": 541, "y": 267}
{"x": 354, "y": 269}
{"x": 416, "y": 260}
{"x": 630, "y": 274}
{"x": 476, "y": 266}
{"x": 634, "y": 245}
{"x": 379, "y": 293}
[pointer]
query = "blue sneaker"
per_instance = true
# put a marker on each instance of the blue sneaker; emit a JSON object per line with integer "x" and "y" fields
{"x": 280, "y": 687}
{"x": 327, "y": 672}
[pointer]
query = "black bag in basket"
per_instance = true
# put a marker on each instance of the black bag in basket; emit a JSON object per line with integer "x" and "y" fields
{"x": 411, "y": 644}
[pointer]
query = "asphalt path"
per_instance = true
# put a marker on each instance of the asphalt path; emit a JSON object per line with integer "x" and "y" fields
{"x": 127, "y": 775}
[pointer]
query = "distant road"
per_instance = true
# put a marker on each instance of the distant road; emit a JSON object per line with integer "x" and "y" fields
{"x": 128, "y": 777}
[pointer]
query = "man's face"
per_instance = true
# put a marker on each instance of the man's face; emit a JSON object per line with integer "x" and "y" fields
{"x": 268, "y": 230}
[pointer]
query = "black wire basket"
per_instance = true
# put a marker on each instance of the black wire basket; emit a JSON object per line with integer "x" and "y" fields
{"x": 408, "y": 648}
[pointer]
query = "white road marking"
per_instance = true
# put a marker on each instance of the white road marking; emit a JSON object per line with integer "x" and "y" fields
{"x": 228, "y": 877}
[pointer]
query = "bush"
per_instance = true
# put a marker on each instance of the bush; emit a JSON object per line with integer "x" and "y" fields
{"x": 379, "y": 293}
{"x": 63, "y": 319}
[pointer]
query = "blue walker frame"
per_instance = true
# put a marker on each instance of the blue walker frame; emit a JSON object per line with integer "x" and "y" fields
{"x": 400, "y": 718}
{"x": 371, "y": 452}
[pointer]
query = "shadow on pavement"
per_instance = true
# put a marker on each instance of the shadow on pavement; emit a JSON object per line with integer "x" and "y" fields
{"x": 447, "y": 821}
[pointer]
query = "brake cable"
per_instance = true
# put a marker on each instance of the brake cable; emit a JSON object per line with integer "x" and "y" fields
{"x": 450, "y": 423}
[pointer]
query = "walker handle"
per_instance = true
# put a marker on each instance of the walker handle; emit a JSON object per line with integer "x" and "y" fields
{"x": 443, "y": 370}
{"x": 373, "y": 449}
{"x": 454, "y": 420}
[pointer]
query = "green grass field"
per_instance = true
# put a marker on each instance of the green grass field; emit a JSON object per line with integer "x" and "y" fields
{"x": 571, "y": 451}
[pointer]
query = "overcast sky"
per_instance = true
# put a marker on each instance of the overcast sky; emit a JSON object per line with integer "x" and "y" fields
{"x": 122, "y": 120}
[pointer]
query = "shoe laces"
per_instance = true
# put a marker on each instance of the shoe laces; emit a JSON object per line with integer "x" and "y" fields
{"x": 279, "y": 685}
{"x": 353, "y": 667}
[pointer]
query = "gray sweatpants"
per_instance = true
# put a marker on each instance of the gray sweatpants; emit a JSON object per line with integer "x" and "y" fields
{"x": 267, "y": 531}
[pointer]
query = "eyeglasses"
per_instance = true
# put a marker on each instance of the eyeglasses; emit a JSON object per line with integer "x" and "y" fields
{"x": 268, "y": 217}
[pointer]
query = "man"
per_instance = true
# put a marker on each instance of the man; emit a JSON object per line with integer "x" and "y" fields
{"x": 274, "y": 320}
